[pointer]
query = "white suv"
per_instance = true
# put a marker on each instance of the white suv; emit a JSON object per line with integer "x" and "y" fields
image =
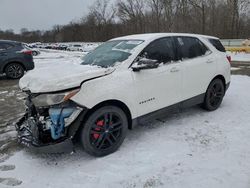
{"x": 75, "y": 47}
{"x": 122, "y": 82}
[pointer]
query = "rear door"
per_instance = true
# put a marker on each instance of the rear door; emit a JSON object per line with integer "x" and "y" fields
{"x": 199, "y": 66}
{"x": 3, "y": 52}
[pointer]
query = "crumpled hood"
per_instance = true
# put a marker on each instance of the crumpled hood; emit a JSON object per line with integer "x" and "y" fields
{"x": 57, "y": 78}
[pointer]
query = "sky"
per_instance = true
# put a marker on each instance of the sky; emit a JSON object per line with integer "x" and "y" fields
{"x": 40, "y": 14}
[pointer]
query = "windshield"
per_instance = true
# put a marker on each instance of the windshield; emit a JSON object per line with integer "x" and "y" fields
{"x": 111, "y": 52}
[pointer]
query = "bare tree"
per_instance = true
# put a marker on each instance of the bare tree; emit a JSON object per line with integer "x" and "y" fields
{"x": 103, "y": 11}
{"x": 222, "y": 18}
{"x": 182, "y": 15}
{"x": 132, "y": 11}
{"x": 236, "y": 7}
{"x": 169, "y": 11}
{"x": 157, "y": 9}
{"x": 201, "y": 6}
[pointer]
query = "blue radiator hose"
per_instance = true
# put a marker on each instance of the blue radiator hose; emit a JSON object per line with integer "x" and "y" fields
{"x": 57, "y": 116}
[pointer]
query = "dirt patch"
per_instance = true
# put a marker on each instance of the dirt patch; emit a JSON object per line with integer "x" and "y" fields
{"x": 12, "y": 107}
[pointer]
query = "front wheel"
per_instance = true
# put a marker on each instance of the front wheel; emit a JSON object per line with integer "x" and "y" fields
{"x": 214, "y": 95}
{"x": 104, "y": 131}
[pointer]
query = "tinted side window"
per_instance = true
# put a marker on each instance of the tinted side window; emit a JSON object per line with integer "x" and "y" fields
{"x": 9, "y": 46}
{"x": 2, "y": 47}
{"x": 5, "y": 46}
{"x": 191, "y": 47}
{"x": 217, "y": 44}
{"x": 162, "y": 50}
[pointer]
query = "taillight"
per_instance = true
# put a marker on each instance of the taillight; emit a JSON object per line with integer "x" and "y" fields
{"x": 27, "y": 52}
{"x": 229, "y": 59}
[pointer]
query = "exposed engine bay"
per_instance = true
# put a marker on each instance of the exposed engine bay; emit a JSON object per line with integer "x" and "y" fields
{"x": 46, "y": 125}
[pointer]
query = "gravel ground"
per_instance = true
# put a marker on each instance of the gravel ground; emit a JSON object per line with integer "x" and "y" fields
{"x": 12, "y": 107}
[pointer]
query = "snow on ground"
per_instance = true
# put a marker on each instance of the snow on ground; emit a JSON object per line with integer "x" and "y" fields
{"x": 191, "y": 149}
{"x": 242, "y": 57}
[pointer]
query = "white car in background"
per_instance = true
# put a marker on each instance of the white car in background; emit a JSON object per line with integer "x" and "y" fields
{"x": 122, "y": 82}
{"x": 88, "y": 47}
{"x": 75, "y": 47}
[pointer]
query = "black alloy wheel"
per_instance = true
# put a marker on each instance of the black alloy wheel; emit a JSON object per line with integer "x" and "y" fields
{"x": 214, "y": 95}
{"x": 14, "y": 71}
{"x": 104, "y": 131}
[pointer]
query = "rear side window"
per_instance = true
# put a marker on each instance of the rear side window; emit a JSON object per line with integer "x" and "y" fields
{"x": 217, "y": 44}
{"x": 2, "y": 47}
{"x": 190, "y": 47}
{"x": 5, "y": 46}
{"x": 162, "y": 50}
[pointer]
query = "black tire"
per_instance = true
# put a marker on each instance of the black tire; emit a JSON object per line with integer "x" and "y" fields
{"x": 14, "y": 71}
{"x": 214, "y": 95}
{"x": 34, "y": 53}
{"x": 104, "y": 131}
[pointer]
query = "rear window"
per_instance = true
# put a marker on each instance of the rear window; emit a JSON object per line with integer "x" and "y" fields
{"x": 217, "y": 44}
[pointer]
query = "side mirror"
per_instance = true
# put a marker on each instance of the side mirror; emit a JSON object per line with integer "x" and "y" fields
{"x": 144, "y": 64}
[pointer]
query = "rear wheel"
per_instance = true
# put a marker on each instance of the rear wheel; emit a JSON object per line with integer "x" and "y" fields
{"x": 34, "y": 53}
{"x": 14, "y": 71}
{"x": 104, "y": 131}
{"x": 214, "y": 95}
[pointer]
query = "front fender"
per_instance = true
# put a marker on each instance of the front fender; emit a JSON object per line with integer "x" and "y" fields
{"x": 118, "y": 86}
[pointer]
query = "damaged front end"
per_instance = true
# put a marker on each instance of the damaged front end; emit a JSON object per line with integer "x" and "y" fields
{"x": 50, "y": 122}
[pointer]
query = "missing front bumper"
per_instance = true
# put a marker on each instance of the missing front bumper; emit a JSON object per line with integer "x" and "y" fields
{"x": 28, "y": 135}
{"x": 65, "y": 146}
{"x": 34, "y": 132}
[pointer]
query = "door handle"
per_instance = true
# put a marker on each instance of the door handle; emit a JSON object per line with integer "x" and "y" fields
{"x": 174, "y": 69}
{"x": 209, "y": 61}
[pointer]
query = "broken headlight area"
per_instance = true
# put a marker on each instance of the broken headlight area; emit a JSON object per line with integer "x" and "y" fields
{"x": 47, "y": 124}
{"x": 53, "y": 98}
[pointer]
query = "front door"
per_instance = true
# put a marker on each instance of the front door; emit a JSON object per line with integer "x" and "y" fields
{"x": 3, "y": 53}
{"x": 159, "y": 87}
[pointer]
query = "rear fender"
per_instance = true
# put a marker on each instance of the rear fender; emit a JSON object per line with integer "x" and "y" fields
{"x": 12, "y": 60}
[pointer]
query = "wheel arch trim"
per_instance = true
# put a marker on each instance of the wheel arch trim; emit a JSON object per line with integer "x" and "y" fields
{"x": 117, "y": 103}
{"x": 221, "y": 77}
{"x": 9, "y": 62}
{"x": 75, "y": 127}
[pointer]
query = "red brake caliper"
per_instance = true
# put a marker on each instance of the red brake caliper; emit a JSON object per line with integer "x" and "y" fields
{"x": 99, "y": 123}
